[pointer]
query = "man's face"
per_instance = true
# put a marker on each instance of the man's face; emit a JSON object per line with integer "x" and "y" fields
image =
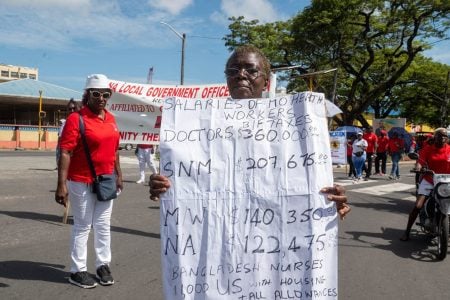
{"x": 245, "y": 76}
{"x": 440, "y": 138}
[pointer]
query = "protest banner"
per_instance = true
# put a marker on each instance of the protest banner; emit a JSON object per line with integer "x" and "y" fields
{"x": 244, "y": 217}
{"x": 338, "y": 147}
{"x": 388, "y": 124}
{"x": 137, "y": 107}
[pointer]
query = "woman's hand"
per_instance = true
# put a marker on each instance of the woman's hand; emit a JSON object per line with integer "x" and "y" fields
{"x": 158, "y": 184}
{"x": 337, "y": 194}
{"x": 61, "y": 194}
{"x": 119, "y": 183}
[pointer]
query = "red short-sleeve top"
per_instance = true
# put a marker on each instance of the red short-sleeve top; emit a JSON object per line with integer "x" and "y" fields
{"x": 102, "y": 137}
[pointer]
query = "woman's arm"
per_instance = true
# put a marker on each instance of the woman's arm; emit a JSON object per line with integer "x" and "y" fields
{"x": 118, "y": 170}
{"x": 61, "y": 193}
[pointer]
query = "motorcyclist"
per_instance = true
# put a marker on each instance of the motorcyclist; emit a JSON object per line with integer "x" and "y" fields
{"x": 435, "y": 157}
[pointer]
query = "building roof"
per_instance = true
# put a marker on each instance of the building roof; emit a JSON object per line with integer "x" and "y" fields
{"x": 29, "y": 88}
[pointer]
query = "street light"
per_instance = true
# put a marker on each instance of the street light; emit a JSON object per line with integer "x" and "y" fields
{"x": 183, "y": 39}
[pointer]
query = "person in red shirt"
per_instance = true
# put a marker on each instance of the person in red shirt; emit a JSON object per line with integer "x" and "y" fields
{"x": 413, "y": 147}
{"x": 436, "y": 157}
{"x": 372, "y": 140}
{"x": 75, "y": 180}
{"x": 72, "y": 106}
{"x": 382, "y": 148}
{"x": 396, "y": 147}
{"x": 351, "y": 171}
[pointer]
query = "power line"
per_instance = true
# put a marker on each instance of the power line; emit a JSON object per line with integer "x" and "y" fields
{"x": 438, "y": 41}
{"x": 205, "y": 37}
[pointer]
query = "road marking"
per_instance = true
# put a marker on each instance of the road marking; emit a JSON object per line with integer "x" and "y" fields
{"x": 351, "y": 181}
{"x": 385, "y": 189}
{"x": 410, "y": 198}
{"x": 380, "y": 190}
{"x": 129, "y": 160}
{"x": 8, "y": 197}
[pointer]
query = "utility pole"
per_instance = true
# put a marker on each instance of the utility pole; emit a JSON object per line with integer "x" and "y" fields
{"x": 183, "y": 40}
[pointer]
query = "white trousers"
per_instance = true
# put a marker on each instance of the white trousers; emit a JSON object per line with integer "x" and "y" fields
{"x": 145, "y": 159}
{"x": 89, "y": 212}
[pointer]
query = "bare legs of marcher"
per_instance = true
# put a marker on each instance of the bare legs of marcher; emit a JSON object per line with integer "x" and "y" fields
{"x": 413, "y": 216}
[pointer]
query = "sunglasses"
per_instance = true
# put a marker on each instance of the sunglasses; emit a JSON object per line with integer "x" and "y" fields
{"x": 97, "y": 94}
{"x": 250, "y": 72}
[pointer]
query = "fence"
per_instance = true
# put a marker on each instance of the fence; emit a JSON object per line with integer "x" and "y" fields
{"x": 28, "y": 137}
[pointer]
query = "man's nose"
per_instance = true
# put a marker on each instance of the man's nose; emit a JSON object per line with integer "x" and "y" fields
{"x": 242, "y": 72}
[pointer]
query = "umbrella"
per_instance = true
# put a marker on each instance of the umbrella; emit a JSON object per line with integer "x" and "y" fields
{"x": 403, "y": 134}
{"x": 350, "y": 130}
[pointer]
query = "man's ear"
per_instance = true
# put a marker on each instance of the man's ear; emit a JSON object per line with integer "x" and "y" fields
{"x": 266, "y": 83}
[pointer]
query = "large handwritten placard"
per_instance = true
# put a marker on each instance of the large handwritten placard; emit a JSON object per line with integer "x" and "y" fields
{"x": 244, "y": 218}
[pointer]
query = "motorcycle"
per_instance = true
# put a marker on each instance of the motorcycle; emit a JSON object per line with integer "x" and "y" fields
{"x": 434, "y": 215}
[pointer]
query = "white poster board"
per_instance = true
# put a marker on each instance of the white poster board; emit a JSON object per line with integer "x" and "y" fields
{"x": 244, "y": 218}
{"x": 338, "y": 147}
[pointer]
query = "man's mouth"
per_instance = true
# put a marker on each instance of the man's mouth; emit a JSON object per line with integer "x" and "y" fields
{"x": 242, "y": 87}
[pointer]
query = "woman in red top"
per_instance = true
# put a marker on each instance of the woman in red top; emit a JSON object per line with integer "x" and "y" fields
{"x": 382, "y": 148}
{"x": 75, "y": 179}
{"x": 396, "y": 147}
{"x": 351, "y": 171}
{"x": 435, "y": 157}
{"x": 372, "y": 144}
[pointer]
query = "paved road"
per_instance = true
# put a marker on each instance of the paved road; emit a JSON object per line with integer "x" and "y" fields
{"x": 373, "y": 263}
{"x": 34, "y": 244}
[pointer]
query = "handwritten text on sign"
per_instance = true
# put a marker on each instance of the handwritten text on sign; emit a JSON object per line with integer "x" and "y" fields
{"x": 244, "y": 218}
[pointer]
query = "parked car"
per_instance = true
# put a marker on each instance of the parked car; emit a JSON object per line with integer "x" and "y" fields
{"x": 126, "y": 146}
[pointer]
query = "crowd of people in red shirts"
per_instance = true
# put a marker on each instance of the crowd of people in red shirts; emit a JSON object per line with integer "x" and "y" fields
{"x": 377, "y": 147}
{"x": 433, "y": 153}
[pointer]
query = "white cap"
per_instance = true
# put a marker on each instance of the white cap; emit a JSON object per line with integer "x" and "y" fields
{"x": 359, "y": 133}
{"x": 97, "y": 81}
{"x": 62, "y": 121}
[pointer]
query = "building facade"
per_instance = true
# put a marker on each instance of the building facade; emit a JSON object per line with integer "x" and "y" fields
{"x": 10, "y": 72}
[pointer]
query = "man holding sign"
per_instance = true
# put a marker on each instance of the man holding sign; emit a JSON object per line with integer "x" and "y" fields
{"x": 243, "y": 214}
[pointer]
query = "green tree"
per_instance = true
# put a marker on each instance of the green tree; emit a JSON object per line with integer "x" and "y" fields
{"x": 420, "y": 94}
{"x": 372, "y": 43}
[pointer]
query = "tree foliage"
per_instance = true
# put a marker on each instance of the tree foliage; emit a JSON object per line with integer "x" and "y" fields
{"x": 420, "y": 93}
{"x": 372, "y": 43}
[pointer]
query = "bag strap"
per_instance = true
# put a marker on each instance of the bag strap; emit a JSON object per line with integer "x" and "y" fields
{"x": 86, "y": 148}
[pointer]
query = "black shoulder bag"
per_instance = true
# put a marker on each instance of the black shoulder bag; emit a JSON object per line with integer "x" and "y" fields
{"x": 104, "y": 185}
